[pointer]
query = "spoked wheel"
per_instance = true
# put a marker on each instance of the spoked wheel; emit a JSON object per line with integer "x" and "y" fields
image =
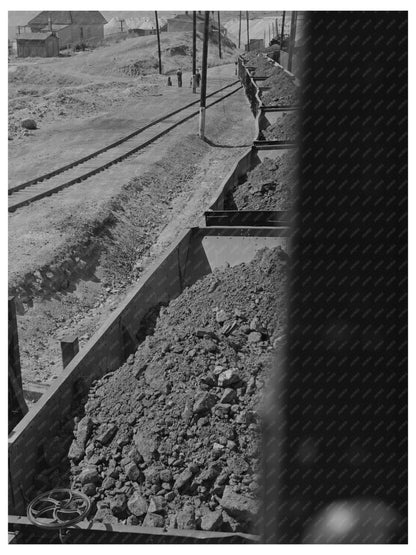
{"x": 58, "y": 509}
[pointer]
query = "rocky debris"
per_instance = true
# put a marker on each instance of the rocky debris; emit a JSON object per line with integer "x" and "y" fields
{"x": 211, "y": 521}
{"x": 154, "y": 520}
{"x": 137, "y": 504}
{"x": 29, "y": 124}
{"x": 106, "y": 433}
{"x": 283, "y": 91}
{"x": 229, "y": 377}
{"x": 204, "y": 402}
{"x": 188, "y": 456}
{"x": 238, "y": 506}
{"x": 285, "y": 129}
{"x": 185, "y": 519}
{"x": 271, "y": 185}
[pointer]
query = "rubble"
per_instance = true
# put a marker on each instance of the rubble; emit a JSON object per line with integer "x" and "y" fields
{"x": 186, "y": 456}
{"x": 271, "y": 185}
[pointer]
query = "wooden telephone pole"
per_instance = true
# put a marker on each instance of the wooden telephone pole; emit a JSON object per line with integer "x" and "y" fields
{"x": 204, "y": 78}
{"x": 283, "y": 31}
{"x": 239, "y": 33}
{"x": 219, "y": 36}
{"x": 194, "y": 54}
{"x": 158, "y": 44}
{"x": 248, "y": 34}
{"x": 292, "y": 40}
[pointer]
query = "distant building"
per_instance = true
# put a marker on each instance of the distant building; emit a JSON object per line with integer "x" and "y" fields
{"x": 71, "y": 28}
{"x": 37, "y": 45}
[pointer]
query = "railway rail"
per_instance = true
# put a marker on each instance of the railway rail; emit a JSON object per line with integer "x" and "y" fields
{"x": 114, "y": 153}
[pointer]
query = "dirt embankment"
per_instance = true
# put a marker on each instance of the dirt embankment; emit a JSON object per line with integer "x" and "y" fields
{"x": 269, "y": 186}
{"x": 172, "y": 437}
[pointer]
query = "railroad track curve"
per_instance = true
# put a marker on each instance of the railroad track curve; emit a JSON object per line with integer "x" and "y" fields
{"x": 114, "y": 153}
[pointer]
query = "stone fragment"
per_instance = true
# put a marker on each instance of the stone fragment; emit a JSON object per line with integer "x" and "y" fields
{"x": 89, "y": 489}
{"x": 28, "y": 124}
{"x": 108, "y": 483}
{"x": 137, "y": 504}
{"x": 89, "y": 474}
{"x": 240, "y": 507}
{"x": 221, "y": 316}
{"x": 84, "y": 430}
{"x": 165, "y": 475}
{"x": 157, "y": 504}
{"x": 254, "y": 337}
{"x": 211, "y": 521}
{"x": 154, "y": 520}
{"x": 203, "y": 402}
{"x": 146, "y": 445}
{"x": 170, "y": 496}
{"x": 229, "y": 396}
{"x": 106, "y": 516}
{"x": 228, "y": 377}
{"x": 183, "y": 480}
{"x": 118, "y": 504}
{"x": 76, "y": 452}
{"x": 132, "y": 472}
{"x": 106, "y": 432}
{"x": 185, "y": 518}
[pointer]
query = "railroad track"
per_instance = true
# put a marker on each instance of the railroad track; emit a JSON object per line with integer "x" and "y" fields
{"x": 114, "y": 153}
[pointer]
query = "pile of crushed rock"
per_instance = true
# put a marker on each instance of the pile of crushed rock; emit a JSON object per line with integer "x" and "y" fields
{"x": 269, "y": 186}
{"x": 171, "y": 439}
{"x": 285, "y": 129}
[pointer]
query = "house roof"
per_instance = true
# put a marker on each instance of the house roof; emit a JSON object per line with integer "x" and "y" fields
{"x": 34, "y": 36}
{"x": 67, "y": 18}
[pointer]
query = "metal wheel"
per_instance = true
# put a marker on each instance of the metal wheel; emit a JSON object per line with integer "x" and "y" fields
{"x": 58, "y": 508}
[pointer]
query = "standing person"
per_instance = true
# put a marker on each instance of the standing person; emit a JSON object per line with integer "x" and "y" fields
{"x": 179, "y": 75}
{"x": 169, "y": 82}
{"x": 198, "y": 77}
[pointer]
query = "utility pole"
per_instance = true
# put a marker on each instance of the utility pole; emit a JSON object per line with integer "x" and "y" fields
{"x": 248, "y": 34}
{"x": 204, "y": 78}
{"x": 283, "y": 31}
{"x": 219, "y": 35}
{"x": 239, "y": 33}
{"x": 277, "y": 28}
{"x": 121, "y": 25}
{"x": 194, "y": 54}
{"x": 158, "y": 44}
{"x": 292, "y": 40}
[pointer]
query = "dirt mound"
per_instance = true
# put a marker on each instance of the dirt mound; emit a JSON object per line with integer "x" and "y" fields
{"x": 172, "y": 437}
{"x": 285, "y": 128}
{"x": 269, "y": 186}
{"x": 283, "y": 91}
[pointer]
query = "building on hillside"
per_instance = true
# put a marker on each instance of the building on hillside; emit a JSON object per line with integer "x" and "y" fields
{"x": 37, "y": 45}
{"x": 71, "y": 28}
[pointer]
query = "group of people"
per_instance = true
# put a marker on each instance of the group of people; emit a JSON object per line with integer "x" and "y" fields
{"x": 179, "y": 77}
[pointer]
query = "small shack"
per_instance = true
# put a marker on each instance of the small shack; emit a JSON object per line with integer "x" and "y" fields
{"x": 37, "y": 45}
